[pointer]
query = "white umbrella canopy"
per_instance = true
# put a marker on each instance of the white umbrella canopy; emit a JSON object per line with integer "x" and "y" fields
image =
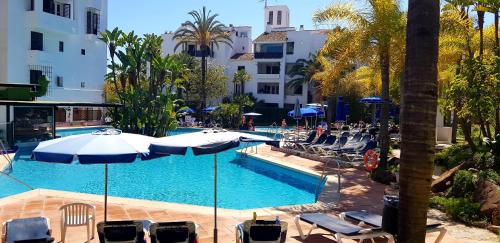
{"x": 106, "y": 146}
{"x": 205, "y": 142}
{"x": 252, "y": 114}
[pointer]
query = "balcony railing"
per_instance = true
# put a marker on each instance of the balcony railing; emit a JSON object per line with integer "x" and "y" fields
{"x": 199, "y": 53}
{"x": 268, "y": 55}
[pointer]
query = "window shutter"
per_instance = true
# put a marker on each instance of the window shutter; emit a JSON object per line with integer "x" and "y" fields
{"x": 67, "y": 10}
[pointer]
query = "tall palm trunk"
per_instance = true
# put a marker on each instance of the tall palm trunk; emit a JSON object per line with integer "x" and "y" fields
{"x": 497, "y": 53}
{"x": 480, "y": 23}
{"x": 203, "y": 76}
{"x": 384, "y": 111}
{"x": 418, "y": 123}
{"x": 331, "y": 110}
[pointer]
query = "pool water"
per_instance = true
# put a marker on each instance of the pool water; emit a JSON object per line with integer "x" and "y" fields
{"x": 243, "y": 183}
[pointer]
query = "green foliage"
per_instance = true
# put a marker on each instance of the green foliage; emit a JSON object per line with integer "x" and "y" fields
{"x": 43, "y": 86}
{"x": 453, "y": 156}
{"x": 147, "y": 108}
{"x": 464, "y": 183}
{"x": 239, "y": 79}
{"x": 460, "y": 209}
{"x": 483, "y": 160}
{"x": 214, "y": 87}
{"x": 228, "y": 115}
{"x": 489, "y": 175}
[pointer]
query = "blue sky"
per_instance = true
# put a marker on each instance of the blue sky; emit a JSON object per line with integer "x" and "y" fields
{"x": 158, "y": 16}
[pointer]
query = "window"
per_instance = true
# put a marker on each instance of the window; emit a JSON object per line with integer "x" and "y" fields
{"x": 241, "y": 68}
{"x": 82, "y": 85}
{"x": 290, "y": 46}
{"x": 63, "y": 10}
{"x": 278, "y": 21}
{"x": 31, "y": 5}
{"x": 273, "y": 48}
{"x": 93, "y": 21}
{"x": 61, "y": 46}
{"x": 268, "y": 88}
{"x": 36, "y": 41}
{"x": 59, "y": 81}
{"x": 289, "y": 67}
{"x": 49, "y": 6}
{"x": 244, "y": 34}
{"x": 270, "y": 21}
{"x": 268, "y": 68}
{"x": 82, "y": 52}
{"x": 35, "y": 76}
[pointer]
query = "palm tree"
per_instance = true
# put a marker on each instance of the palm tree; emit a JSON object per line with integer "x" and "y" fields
{"x": 112, "y": 40}
{"x": 418, "y": 118}
{"x": 239, "y": 79}
{"x": 302, "y": 72}
{"x": 370, "y": 32}
{"x": 204, "y": 31}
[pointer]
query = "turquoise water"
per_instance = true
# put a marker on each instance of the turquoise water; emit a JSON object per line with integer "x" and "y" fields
{"x": 243, "y": 183}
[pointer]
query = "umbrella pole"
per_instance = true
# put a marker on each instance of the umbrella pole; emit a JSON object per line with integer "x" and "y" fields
{"x": 215, "y": 197}
{"x": 105, "y": 192}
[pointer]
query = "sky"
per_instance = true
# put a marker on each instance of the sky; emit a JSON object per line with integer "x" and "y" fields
{"x": 158, "y": 16}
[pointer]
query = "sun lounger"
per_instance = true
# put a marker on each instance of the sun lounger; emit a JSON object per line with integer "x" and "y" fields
{"x": 320, "y": 140}
{"x": 375, "y": 220}
{"x": 330, "y": 140}
{"x": 332, "y": 149}
{"x": 310, "y": 139}
{"x": 36, "y": 230}
{"x": 184, "y": 232}
{"x": 339, "y": 228}
{"x": 261, "y": 231}
{"x": 123, "y": 231}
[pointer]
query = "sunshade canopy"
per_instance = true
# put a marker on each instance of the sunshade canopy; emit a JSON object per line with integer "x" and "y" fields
{"x": 205, "y": 142}
{"x": 104, "y": 146}
{"x": 210, "y": 109}
{"x": 252, "y": 114}
{"x": 306, "y": 112}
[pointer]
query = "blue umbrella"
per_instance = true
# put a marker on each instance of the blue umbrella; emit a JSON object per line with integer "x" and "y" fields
{"x": 306, "y": 112}
{"x": 210, "y": 109}
{"x": 205, "y": 142}
{"x": 107, "y": 146}
{"x": 339, "y": 110}
{"x": 371, "y": 100}
{"x": 187, "y": 111}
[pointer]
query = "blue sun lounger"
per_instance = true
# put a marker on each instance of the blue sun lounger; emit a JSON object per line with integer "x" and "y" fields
{"x": 27, "y": 230}
{"x": 339, "y": 228}
{"x": 375, "y": 220}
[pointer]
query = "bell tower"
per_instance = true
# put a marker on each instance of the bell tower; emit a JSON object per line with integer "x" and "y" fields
{"x": 276, "y": 17}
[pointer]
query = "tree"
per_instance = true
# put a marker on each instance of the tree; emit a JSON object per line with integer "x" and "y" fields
{"x": 239, "y": 80}
{"x": 370, "y": 35}
{"x": 147, "y": 108}
{"x": 206, "y": 32}
{"x": 302, "y": 73}
{"x": 213, "y": 88}
{"x": 418, "y": 118}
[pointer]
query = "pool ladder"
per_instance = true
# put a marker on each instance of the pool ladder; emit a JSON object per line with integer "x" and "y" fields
{"x": 6, "y": 173}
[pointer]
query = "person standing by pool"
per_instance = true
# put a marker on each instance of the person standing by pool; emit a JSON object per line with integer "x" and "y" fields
{"x": 251, "y": 126}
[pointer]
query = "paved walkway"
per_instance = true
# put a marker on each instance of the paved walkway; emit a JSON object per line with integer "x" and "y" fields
{"x": 358, "y": 192}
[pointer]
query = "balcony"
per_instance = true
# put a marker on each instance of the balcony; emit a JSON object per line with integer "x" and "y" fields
{"x": 268, "y": 55}
{"x": 39, "y": 20}
{"x": 268, "y": 76}
{"x": 197, "y": 53}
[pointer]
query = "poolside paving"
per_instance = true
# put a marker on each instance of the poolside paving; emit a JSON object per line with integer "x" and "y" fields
{"x": 358, "y": 192}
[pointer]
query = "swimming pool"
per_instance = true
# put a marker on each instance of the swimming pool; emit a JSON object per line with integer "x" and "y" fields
{"x": 243, "y": 183}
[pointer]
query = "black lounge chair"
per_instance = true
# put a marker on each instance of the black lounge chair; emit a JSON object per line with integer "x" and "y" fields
{"x": 339, "y": 228}
{"x": 310, "y": 138}
{"x": 122, "y": 231}
{"x": 168, "y": 232}
{"x": 330, "y": 140}
{"x": 320, "y": 140}
{"x": 27, "y": 230}
{"x": 268, "y": 231}
{"x": 332, "y": 149}
{"x": 374, "y": 220}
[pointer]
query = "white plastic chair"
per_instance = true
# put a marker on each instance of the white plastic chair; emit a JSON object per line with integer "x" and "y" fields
{"x": 77, "y": 214}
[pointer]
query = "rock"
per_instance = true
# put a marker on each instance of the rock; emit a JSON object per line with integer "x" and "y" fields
{"x": 446, "y": 179}
{"x": 487, "y": 193}
{"x": 494, "y": 228}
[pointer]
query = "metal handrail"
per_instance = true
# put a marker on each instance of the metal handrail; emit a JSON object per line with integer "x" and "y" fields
{"x": 5, "y": 154}
{"x": 323, "y": 178}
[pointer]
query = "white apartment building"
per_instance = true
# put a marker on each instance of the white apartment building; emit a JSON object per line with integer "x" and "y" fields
{"x": 57, "y": 39}
{"x": 266, "y": 59}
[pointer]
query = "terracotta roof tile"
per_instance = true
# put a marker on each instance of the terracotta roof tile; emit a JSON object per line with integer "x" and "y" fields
{"x": 243, "y": 57}
{"x": 272, "y": 36}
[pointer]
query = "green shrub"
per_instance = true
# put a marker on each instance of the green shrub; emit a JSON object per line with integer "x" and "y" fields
{"x": 460, "y": 209}
{"x": 453, "y": 156}
{"x": 464, "y": 183}
{"x": 489, "y": 175}
{"x": 483, "y": 160}
{"x": 228, "y": 115}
